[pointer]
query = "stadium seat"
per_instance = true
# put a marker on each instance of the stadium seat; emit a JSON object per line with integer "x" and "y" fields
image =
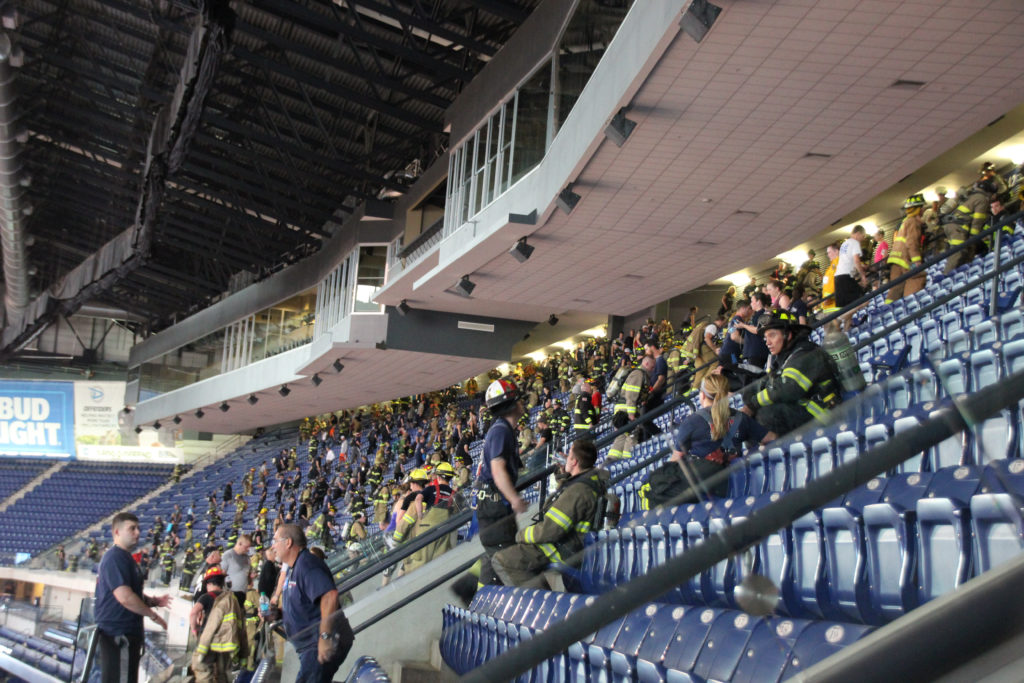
{"x": 818, "y": 641}
{"x": 724, "y": 648}
{"x": 997, "y": 530}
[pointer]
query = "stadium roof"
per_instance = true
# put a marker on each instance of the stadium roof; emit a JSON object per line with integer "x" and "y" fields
{"x": 294, "y": 110}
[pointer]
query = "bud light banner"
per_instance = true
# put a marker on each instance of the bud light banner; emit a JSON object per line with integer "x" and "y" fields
{"x": 37, "y": 418}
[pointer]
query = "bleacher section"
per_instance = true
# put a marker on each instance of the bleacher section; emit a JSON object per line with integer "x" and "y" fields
{"x": 14, "y": 474}
{"x": 944, "y": 516}
{"x": 75, "y": 497}
{"x": 49, "y": 657}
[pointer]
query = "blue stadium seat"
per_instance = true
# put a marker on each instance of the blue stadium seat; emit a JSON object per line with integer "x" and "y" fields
{"x": 635, "y": 629}
{"x": 944, "y": 541}
{"x": 660, "y": 636}
{"x": 804, "y": 582}
{"x": 890, "y": 542}
{"x": 997, "y": 530}
{"x": 691, "y": 634}
{"x": 818, "y": 641}
{"x": 953, "y": 376}
{"x": 724, "y": 648}
{"x": 768, "y": 650}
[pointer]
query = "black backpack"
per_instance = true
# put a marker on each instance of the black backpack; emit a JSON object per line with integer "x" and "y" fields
{"x": 668, "y": 481}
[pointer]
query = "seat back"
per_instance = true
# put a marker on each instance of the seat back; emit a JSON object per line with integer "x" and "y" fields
{"x": 943, "y": 549}
{"x": 818, "y": 641}
{"x": 725, "y": 645}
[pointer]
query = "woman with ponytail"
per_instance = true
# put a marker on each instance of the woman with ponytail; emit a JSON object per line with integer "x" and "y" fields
{"x": 708, "y": 439}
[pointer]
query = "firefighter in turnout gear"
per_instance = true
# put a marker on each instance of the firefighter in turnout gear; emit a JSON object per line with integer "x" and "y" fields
{"x": 188, "y": 568}
{"x": 631, "y": 393}
{"x": 167, "y": 562}
{"x": 557, "y": 536}
{"x": 622, "y": 447}
{"x": 800, "y": 384}
{"x": 906, "y": 251}
{"x": 968, "y": 219}
{"x": 436, "y": 500}
{"x": 585, "y": 415}
{"x": 559, "y": 418}
{"x": 222, "y": 637}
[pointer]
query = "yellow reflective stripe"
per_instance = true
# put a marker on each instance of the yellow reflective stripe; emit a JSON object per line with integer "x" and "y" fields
{"x": 963, "y": 209}
{"x": 560, "y": 518}
{"x": 798, "y": 377}
{"x": 583, "y": 527}
{"x": 528, "y": 534}
{"x": 762, "y": 398}
{"x": 896, "y": 260}
{"x": 223, "y": 647}
{"x": 202, "y": 649}
{"x": 814, "y": 409}
{"x": 955, "y": 242}
{"x": 399, "y": 535}
{"x": 550, "y": 551}
{"x": 915, "y": 259}
{"x": 900, "y": 238}
{"x": 630, "y": 387}
{"x": 408, "y": 519}
{"x": 230, "y": 616}
{"x": 977, "y": 215}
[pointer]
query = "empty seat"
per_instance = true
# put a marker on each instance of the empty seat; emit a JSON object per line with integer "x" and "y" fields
{"x": 660, "y": 636}
{"x": 725, "y": 646}
{"x": 997, "y": 530}
{"x": 818, "y": 641}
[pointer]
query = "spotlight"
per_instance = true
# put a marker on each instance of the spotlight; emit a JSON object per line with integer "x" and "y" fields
{"x": 200, "y": 413}
{"x": 252, "y": 399}
{"x": 176, "y": 420}
{"x": 521, "y": 251}
{"x": 127, "y": 410}
{"x": 224, "y": 407}
{"x": 284, "y": 390}
{"x": 465, "y": 286}
{"x": 157, "y": 426}
{"x": 402, "y": 308}
{"x": 619, "y": 129}
{"x": 567, "y": 199}
{"x": 552, "y": 320}
{"x": 138, "y": 430}
{"x": 698, "y": 18}
{"x": 338, "y": 365}
{"x": 316, "y": 380}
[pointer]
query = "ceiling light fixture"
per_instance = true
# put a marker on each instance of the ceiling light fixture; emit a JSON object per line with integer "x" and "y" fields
{"x": 224, "y": 407}
{"x": 177, "y": 420}
{"x": 464, "y": 287}
{"x": 521, "y": 251}
{"x": 402, "y": 308}
{"x": 200, "y": 413}
{"x": 567, "y": 199}
{"x": 338, "y": 365}
{"x": 698, "y": 19}
{"x": 252, "y": 399}
{"x": 552, "y": 320}
{"x": 284, "y": 390}
{"x": 316, "y": 380}
{"x": 620, "y": 128}
{"x": 157, "y": 425}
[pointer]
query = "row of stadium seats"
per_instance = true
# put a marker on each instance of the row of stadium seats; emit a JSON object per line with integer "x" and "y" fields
{"x": 659, "y": 642}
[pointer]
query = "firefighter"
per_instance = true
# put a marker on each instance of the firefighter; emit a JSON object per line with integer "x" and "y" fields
{"x": 906, "y": 251}
{"x": 800, "y": 385}
{"x": 969, "y": 218}
{"x": 622, "y": 447}
{"x": 633, "y": 389}
{"x": 559, "y": 418}
{"x": 222, "y": 636}
{"x": 560, "y": 527}
{"x": 167, "y": 562}
{"x": 437, "y": 500}
{"x": 188, "y": 568}
{"x": 585, "y": 414}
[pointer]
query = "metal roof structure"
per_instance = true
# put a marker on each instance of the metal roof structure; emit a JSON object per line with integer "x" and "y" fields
{"x": 307, "y": 107}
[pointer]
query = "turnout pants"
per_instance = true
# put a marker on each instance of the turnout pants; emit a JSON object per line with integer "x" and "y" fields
{"x": 908, "y": 288}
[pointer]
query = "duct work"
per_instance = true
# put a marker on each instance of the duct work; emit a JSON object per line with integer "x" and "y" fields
{"x": 13, "y": 184}
{"x": 170, "y": 137}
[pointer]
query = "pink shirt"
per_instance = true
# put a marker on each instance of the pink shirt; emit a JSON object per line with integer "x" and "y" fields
{"x": 881, "y": 251}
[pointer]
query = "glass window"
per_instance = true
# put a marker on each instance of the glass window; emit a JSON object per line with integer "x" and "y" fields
{"x": 531, "y": 134}
{"x": 370, "y": 278}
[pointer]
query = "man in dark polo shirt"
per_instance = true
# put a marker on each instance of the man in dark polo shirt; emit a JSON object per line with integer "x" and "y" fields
{"x": 313, "y": 619}
{"x": 121, "y": 604}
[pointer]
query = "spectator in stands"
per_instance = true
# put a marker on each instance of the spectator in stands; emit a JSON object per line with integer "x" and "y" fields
{"x": 729, "y": 352}
{"x": 800, "y": 384}
{"x": 315, "y": 624}
{"x": 559, "y": 529}
{"x": 498, "y": 502}
{"x": 728, "y": 299}
{"x": 828, "y": 280}
{"x": 657, "y": 377}
{"x": 773, "y": 288}
{"x": 235, "y": 563}
{"x": 121, "y": 605}
{"x": 851, "y": 275}
{"x": 754, "y": 351}
{"x": 704, "y": 444}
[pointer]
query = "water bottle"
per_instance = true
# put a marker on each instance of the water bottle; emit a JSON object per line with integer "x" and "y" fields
{"x": 264, "y": 604}
{"x": 848, "y": 371}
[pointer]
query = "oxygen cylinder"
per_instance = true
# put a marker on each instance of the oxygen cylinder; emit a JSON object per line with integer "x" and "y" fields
{"x": 844, "y": 358}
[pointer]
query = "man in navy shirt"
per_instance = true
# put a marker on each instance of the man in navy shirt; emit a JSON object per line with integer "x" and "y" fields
{"x": 313, "y": 619}
{"x": 498, "y": 502}
{"x": 121, "y": 605}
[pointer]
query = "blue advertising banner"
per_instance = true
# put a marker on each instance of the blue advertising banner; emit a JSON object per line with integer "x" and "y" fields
{"x": 37, "y": 418}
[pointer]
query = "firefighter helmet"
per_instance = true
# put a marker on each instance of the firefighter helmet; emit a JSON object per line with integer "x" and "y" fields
{"x": 501, "y": 393}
